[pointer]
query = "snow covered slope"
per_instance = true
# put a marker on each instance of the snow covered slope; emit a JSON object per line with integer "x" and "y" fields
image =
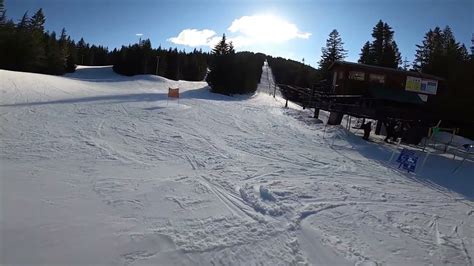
{"x": 97, "y": 168}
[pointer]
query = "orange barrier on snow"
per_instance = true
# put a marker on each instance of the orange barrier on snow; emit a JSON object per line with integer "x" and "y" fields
{"x": 173, "y": 93}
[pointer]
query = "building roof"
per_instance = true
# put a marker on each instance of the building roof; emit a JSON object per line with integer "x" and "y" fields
{"x": 385, "y": 69}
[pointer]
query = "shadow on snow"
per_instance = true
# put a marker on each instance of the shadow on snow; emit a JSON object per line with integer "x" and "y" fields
{"x": 437, "y": 173}
{"x": 203, "y": 93}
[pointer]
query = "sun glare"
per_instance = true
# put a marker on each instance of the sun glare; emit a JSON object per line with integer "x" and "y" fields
{"x": 266, "y": 29}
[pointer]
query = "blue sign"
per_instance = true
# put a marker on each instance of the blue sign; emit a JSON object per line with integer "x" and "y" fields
{"x": 404, "y": 155}
{"x": 407, "y": 160}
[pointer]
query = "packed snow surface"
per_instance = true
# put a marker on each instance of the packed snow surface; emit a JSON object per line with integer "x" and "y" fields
{"x": 97, "y": 168}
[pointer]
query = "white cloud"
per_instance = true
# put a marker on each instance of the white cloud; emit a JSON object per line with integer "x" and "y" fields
{"x": 139, "y": 34}
{"x": 245, "y": 31}
{"x": 194, "y": 37}
{"x": 264, "y": 29}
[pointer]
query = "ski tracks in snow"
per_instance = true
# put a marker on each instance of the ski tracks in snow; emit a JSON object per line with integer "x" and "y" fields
{"x": 220, "y": 180}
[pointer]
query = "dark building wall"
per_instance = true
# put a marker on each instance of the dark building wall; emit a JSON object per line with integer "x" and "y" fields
{"x": 356, "y": 79}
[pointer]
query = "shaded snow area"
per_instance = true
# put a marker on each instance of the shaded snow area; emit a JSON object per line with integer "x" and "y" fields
{"x": 97, "y": 168}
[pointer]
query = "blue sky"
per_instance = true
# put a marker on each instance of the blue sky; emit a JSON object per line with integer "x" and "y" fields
{"x": 290, "y": 28}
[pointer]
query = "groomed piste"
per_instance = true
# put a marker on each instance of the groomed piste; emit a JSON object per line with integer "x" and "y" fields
{"x": 97, "y": 168}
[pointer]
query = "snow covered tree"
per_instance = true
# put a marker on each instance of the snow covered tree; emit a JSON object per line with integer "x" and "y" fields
{"x": 334, "y": 51}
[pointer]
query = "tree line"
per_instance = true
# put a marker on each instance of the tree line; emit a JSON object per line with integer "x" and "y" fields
{"x": 438, "y": 54}
{"x": 234, "y": 73}
{"x": 435, "y": 55}
{"x": 141, "y": 58}
{"x": 26, "y": 46}
{"x": 291, "y": 72}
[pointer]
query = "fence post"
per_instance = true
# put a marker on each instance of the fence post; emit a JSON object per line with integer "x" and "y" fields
{"x": 424, "y": 160}
{"x": 396, "y": 149}
{"x": 316, "y": 113}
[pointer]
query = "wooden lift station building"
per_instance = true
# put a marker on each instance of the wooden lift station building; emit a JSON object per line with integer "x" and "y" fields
{"x": 379, "y": 93}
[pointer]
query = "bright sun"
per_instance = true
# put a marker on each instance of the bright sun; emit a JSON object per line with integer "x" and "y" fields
{"x": 266, "y": 29}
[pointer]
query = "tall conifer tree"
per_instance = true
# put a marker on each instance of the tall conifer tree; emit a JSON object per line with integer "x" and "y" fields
{"x": 365, "y": 55}
{"x": 334, "y": 51}
{"x": 3, "y": 18}
{"x": 383, "y": 50}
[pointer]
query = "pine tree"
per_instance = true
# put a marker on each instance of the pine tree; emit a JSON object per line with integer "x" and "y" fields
{"x": 54, "y": 55}
{"x": 38, "y": 20}
{"x": 24, "y": 23}
{"x": 82, "y": 48}
{"x": 3, "y": 18}
{"x": 222, "y": 68}
{"x": 472, "y": 47}
{"x": 383, "y": 50}
{"x": 391, "y": 55}
{"x": 365, "y": 56}
{"x": 37, "y": 45}
{"x": 231, "y": 49}
{"x": 406, "y": 64}
{"x": 428, "y": 50}
{"x": 7, "y": 32}
{"x": 463, "y": 53}
{"x": 334, "y": 51}
{"x": 71, "y": 58}
{"x": 221, "y": 47}
{"x": 64, "y": 48}
{"x": 22, "y": 46}
{"x": 377, "y": 45}
{"x": 439, "y": 52}
{"x": 441, "y": 55}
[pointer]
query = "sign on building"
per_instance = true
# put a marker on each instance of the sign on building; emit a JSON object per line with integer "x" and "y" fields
{"x": 420, "y": 85}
